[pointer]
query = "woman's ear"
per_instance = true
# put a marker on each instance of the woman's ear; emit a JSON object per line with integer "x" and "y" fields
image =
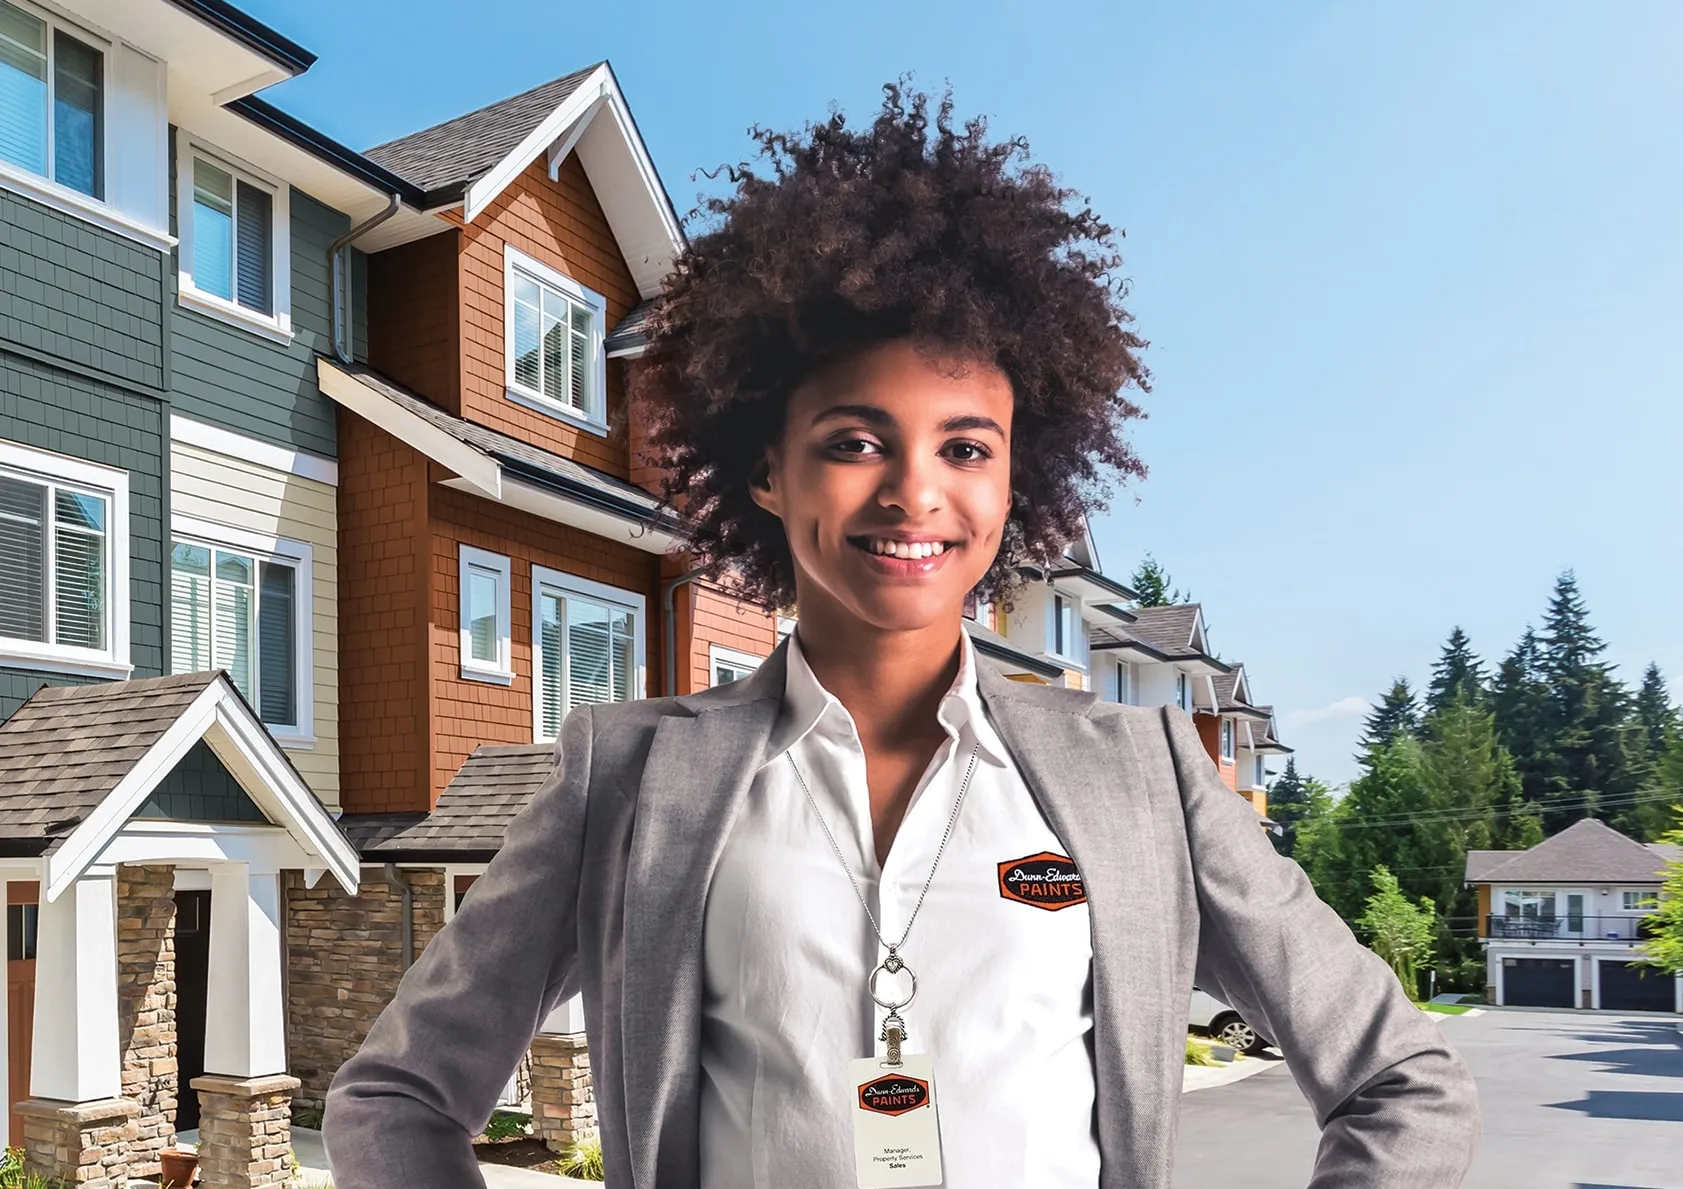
{"x": 763, "y": 490}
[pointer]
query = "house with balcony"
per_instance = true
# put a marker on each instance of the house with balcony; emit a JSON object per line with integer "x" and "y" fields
{"x": 1558, "y": 921}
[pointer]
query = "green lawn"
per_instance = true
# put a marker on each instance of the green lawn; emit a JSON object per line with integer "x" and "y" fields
{"x": 1447, "y": 1009}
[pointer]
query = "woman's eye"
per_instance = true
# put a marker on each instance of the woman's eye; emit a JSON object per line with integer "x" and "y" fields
{"x": 856, "y": 446}
{"x": 970, "y": 451}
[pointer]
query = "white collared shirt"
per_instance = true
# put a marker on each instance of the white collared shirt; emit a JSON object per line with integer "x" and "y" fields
{"x": 1004, "y": 1000}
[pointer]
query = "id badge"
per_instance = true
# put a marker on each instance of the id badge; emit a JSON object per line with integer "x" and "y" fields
{"x": 896, "y": 1136}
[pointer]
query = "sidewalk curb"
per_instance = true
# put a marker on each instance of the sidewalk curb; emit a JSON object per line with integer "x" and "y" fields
{"x": 1205, "y": 1077}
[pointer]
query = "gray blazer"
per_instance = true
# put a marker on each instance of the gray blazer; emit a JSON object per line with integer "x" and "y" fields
{"x": 600, "y": 889}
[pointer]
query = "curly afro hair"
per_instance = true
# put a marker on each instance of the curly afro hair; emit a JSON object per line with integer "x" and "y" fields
{"x": 855, "y": 238}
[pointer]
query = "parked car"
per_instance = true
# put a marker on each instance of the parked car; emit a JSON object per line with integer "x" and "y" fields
{"x": 1212, "y": 1017}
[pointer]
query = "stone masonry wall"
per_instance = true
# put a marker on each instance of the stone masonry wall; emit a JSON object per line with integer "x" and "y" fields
{"x": 344, "y": 959}
{"x": 146, "y": 1008}
{"x": 245, "y": 1131}
{"x": 84, "y": 1145}
{"x": 563, "y": 1097}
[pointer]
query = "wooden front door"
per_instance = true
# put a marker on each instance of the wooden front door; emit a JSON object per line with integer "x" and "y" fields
{"x": 22, "y": 904}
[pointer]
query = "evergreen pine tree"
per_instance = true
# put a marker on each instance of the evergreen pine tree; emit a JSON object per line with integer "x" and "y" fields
{"x": 1656, "y": 723}
{"x": 1589, "y": 717}
{"x": 1520, "y": 699}
{"x": 1397, "y": 714}
{"x": 1294, "y": 801}
{"x": 1458, "y": 673}
{"x": 1654, "y": 712}
{"x": 1151, "y": 583}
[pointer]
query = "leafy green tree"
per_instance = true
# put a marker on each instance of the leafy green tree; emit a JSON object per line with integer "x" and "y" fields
{"x": 1400, "y": 932}
{"x": 1396, "y": 715}
{"x": 1293, "y": 801}
{"x": 1458, "y": 673}
{"x": 1663, "y": 948}
{"x": 1151, "y": 583}
{"x": 1589, "y": 716}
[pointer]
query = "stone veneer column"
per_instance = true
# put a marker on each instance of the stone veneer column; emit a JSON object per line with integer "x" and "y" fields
{"x": 84, "y": 1144}
{"x": 146, "y": 1001}
{"x": 245, "y": 1131}
{"x": 344, "y": 959}
{"x": 563, "y": 1099}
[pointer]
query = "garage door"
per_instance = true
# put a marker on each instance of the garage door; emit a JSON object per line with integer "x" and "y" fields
{"x": 1626, "y": 986}
{"x": 1539, "y": 982}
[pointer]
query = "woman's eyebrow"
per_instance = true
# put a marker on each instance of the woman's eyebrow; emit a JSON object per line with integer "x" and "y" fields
{"x": 873, "y": 415}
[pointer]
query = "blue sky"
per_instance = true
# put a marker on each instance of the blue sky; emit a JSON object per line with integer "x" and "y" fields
{"x": 1413, "y": 274}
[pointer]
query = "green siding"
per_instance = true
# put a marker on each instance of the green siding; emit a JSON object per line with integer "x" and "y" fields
{"x": 200, "y": 789}
{"x": 77, "y": 293}
{"x": 52, "y": 409}
{"x": 227, "y": 376}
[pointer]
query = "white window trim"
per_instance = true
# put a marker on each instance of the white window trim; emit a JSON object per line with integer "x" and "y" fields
{"x": 502, "y": 672}
{"x": 301, "y": 556}
{"x": 732, "y": 657}
{"x": 1227, "y": 740}
{"x": 571, "y": 584}
{"x": 1071, "y": 658}
{"x": 596, "y": 421}
{"x": 1625, "y": 895}
{"x": 276, "y": 327}
{"x": 114, "y": 484}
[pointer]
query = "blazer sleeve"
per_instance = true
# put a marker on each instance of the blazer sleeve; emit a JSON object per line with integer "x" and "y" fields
{"x": 401, "y": 1113}
{"x": 1396, "y": 1105}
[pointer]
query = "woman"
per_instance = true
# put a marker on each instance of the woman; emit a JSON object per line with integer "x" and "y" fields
{"x": 878, "y": 916}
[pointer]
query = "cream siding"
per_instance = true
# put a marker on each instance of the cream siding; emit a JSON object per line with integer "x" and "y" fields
{"x": 242, "y": 494}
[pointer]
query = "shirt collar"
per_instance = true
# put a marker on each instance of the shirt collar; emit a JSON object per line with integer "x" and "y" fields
{"x": 808, "y": 706}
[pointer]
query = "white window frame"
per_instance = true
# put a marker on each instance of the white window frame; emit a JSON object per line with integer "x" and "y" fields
{"x": 1122, "y": 678}
{"x": 1227, "y": 740}
{"x": 736, "y": 659}
{"x": 1259, "y": 772}
{"x": 1183, "y": 690}
{"x": 42, "y": 466}
{"x": 276, "y": 327}
{"x": 1070, "y": 649}
{"x": 1636, "y": 900}
{"x": 501, "y": 672}
{"x": 595, "y": 418}
{"x": 300, "y": 555}
{"x": 32, "y": 181}
{"x": 571, "y": 585}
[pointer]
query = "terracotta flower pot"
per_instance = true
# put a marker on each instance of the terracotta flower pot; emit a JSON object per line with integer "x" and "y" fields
{"x": 178, "y": 1168}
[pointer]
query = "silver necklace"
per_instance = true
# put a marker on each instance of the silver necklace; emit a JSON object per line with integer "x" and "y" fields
{"x": 893, "y": 1027}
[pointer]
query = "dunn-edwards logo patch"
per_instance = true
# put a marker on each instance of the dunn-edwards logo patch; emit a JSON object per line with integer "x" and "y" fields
{"x": 894, "y": 1095}
{"x": 1045, "y": 880}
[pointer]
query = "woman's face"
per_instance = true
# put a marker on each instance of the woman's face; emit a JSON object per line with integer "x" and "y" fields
{"x": 893, "y": 483}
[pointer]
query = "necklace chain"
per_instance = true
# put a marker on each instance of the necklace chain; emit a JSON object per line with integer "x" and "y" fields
{"x": 847, "y": 869}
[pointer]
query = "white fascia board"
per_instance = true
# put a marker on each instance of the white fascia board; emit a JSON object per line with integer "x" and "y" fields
{"x": 266, "y": 849}
{"x": 629, "y": 352}
{"x": 481, "y": 472}
{"x": 498, "y": 178}
{"x": 236, "y": 445}
{"x": 559, "y": 150}
{"x": 553, "y": 506}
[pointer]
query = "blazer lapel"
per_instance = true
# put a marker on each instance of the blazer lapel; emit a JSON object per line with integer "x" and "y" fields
{"x": 1086, "y": 777}
{"x": 698, "y": 772}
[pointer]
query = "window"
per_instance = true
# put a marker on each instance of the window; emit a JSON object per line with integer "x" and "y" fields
{"x": 587, "y": 646}
{"x": 728, "y": 665}
{"x": 1259, "y": 779}
{"x": 1183, "y": 692}
{"x": 235, "y": 242}
{"x": 241, "y": 605}
{"x": 63, "y": 561}
{"x": 1641, "y": 901}
{"x": 1122, "y": 683}
{"x": 22, "y": 926}
{"x": 52, "y": 102}
{"x": 1527, "y": 905}
{"x": 1064, "y": 622}
{"x": 487, "y": 641}
{"x": 554, "y": 342}
{"x": 1227, "y": 739}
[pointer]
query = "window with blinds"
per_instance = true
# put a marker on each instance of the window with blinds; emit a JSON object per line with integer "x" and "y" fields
{"x": 52, "y": 101}
{"x": 554, "y": 339}
{"x": 53, "y": 564}
{"x": 238, "y": 611}
{"x": 587, "y": 651}
{"x": 233, "y": 238}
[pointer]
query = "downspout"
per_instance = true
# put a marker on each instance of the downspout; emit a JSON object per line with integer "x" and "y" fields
{"x": 398, "y": 880}
{"x": 335, "y": 269}
{"x": 670, "y": 642}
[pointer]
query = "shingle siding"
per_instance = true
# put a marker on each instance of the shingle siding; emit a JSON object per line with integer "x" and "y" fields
{"x": 52, "y": 409}
{"x": 227, "y": 376}
{"x": 200, "y": 789}
{"x": 80, "y": 294}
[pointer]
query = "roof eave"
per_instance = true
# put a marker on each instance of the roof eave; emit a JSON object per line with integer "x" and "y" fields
{"x": 251, "y": 33}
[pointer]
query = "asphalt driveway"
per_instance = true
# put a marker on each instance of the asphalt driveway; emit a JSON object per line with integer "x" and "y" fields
{"x": 1571, "y": 1100}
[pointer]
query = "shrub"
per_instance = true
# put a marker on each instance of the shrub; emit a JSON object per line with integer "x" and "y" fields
{"x": 584, "y": 1160}
{"x": 505, "y": 1125}
{"x": 1197, "y": 1053}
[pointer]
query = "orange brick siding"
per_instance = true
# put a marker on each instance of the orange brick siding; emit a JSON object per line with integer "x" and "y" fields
{"x": 1209, "y": 731}
{"x": 469, "y": 713}
{"x": 414, "y": 319}
{"x": 383, "y": 706}
{"x": 709, "y": 616}
{"x": 561, "y": 224}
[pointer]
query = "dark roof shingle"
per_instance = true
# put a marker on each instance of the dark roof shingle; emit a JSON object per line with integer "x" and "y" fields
{"x": 493, "y": 785}
{"x": 455, "y": 153}
{"x": 1167, "y": 629}
{"x": 1588, "y": 851}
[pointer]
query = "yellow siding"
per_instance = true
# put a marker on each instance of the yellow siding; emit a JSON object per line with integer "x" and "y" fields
{"x": 209, "y": 486}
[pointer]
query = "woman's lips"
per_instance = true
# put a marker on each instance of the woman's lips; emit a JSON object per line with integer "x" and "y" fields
{"x": 903, "y": 567}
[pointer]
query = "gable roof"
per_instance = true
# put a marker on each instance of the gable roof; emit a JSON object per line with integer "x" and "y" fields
{"x": 1168, "y": 629}
{"x": 445, "y": 158}
{"x": 492, "y": 786}
{"x": 473, "y": 158}
{"x": 77, "y": 761}
{"x": 1588, "y": 851}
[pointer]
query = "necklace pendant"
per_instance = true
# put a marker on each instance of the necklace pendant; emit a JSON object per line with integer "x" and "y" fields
{"x": 892, "y": 963}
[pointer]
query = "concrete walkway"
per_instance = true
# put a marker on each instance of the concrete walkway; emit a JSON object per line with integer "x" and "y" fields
{"x": 1204, "y": 1077}
{"x": 313, "y": 1174}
